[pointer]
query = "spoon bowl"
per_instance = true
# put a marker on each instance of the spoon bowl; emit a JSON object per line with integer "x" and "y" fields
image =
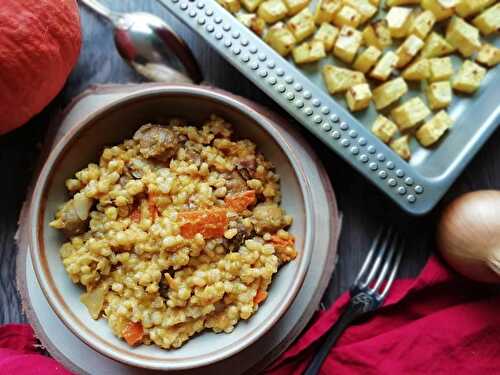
{"x": 149, "y": 45}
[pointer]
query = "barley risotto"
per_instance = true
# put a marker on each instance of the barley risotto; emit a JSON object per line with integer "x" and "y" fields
{"x": 176, "y": 230}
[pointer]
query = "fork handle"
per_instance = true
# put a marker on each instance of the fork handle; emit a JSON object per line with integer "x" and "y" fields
{"x": 351, "y": 313}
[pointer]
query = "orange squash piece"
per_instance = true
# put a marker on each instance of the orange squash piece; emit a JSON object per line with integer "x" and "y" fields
{"x": 240, "y": 201}
{"x": 210, "y": 223}
{"x": 260, "y": 297}
{"x": 279, "y": 242}
{"x": 133, "y": 333}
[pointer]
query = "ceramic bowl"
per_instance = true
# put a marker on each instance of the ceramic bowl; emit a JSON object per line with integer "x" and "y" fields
{"x": 116, "y": 122}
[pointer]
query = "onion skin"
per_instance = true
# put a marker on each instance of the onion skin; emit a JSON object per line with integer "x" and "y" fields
{"x": 468, "y": 235}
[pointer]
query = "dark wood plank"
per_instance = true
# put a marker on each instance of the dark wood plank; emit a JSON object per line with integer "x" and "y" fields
{"x": 364, "y": 208}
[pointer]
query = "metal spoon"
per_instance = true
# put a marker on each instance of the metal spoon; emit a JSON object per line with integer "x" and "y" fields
{"x": 148, "y": 45}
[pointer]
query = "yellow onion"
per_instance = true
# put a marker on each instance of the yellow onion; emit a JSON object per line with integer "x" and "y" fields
{"x": 469, "y": 235}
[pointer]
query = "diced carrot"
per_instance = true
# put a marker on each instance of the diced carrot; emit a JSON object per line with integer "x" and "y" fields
{"x": 240, "y": 201}
{"x": 282, "y": 242}
{"x": 135, "y": 215}
{"x": 153, "y": 211}
{"x": 259, "y": 297}
{"x": 210, "y": 223}
{"x": 133, "y": 333}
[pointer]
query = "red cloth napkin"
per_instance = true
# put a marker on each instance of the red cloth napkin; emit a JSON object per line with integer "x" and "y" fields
{"x": 438, "y": 323}
{"x": 18, "y": 354}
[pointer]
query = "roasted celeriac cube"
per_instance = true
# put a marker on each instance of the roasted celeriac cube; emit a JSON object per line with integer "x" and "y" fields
{"x": 463, "y": 36}
{"x": 433, "y": 130}
{"x": 418, "y": 71}
{"x": 440, "y": 69}
{"x": 366, "y": 59}
{"x": 327, "y": 33}
{"x": 410, "y": 113}
{"x": 384, "y": 128}
{"x": 439, "y": 94}
{"x": 280, "y": 38}
{"x": 469, "y": 77}
{"x": 422, "y": 24}
{"x": 466, "y": 8}
{"x": 366, "y": 9}
{"x": 302, "y": 24}
{"x": 251, "y": 5}
{"x": 370, "y": 38}
{"x": 358, "y": 97}
{"x": 383, "y": 33}
{"x": 436, "y": 46}
{"x": 489, "y": 20}
{"x": 401, "y": 146}
{"x": 272, "y": 11}
{"x": 295, "y": 6}
{"x": 309, "y": 52}
{"x": 488, "y": 55}
{"x": 408, "y": 50}
{"x": 389, "y": 92}
{"x": 232, "y": 6}
{"x": 398, "y": 21}
{"x": 347, "y": 16}
{"x": 435, "y": 7}
{"x": 253, "y": 22}
{"x": 391, "y": 3}
{"x": 340, "y": 79}
{"x": 385, "y": 66}
{"x": 377, "y": 35}
{"x": 347, "y": 44}
{"x": 325, "y": 10}
{"x": 448, "y": 4}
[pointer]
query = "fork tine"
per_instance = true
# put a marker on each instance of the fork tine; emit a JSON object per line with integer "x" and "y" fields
{"x": 394, "y": 271}
{"x": 393, "y": 246}
{"x": 378, "y": 260}
{"x": 369, "y": 257}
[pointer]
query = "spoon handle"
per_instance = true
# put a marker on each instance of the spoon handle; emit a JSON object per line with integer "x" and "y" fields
{"x": 101, "y": 9}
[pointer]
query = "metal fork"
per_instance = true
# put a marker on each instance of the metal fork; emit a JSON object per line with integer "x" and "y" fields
{"x": 367, "y": 292}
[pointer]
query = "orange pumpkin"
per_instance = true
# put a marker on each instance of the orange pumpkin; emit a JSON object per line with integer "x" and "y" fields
{"x": 39, "y": 45}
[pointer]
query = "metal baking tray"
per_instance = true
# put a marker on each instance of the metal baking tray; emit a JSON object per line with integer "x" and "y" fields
{"x": 416, "y": 186}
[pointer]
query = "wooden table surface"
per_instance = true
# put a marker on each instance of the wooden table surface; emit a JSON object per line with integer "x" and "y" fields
{"x": 364, "y": 208}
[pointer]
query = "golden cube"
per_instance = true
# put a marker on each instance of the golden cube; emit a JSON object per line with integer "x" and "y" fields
{"x": 440, "y": 69}
{"x": 272, "y": 11}
{"x": 385, "y": 66}
{"x": 389, "y": 92}
{"x": 439, "y": 94}
{"x": 408, "y": 50}
{"x": 309, "y": 52}
{"x": 433, "y": 130}
{"x": 417, "y": 71}
{"x": 358, "y": 97}
{"x": 366, "y": 59}
{"x": 302, "y": 25}
{"x": 488, "y": 21}
{"x": 340, "y": 79}
{"x": 436, "y": 46}
{"x": 398, "y": 21}
{"x": 347, "y": 16}
{"x": 410, "y": 113}
{"x": 327, "y": 33}
{"x": 384, "y": 128}
{"x": 488, "y": 55}
{"x": 469, "y": 77}
{"x": 347, "y": 44}
{"x": 401, "y": 147}
{"x": 463, "y": 36}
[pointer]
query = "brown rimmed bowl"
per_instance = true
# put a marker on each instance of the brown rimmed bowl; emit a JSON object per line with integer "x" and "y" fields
{"x": 111, "y": 125}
